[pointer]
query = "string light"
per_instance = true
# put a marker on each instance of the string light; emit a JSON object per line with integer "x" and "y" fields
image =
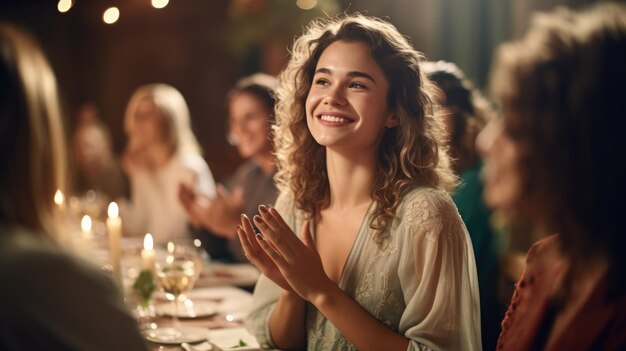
{"x": 159, "y": 4}
{"x": 64, "y": 5}
{"x": 111, "y": 15}
{"x": 306, "y": 4}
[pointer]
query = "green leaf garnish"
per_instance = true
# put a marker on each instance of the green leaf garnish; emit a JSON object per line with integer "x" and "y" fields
{"x": 241, "y": 344}
{"x": 144, "y": 287}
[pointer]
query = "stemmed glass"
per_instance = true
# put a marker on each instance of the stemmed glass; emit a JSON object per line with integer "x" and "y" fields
{"x": 176, "y": 273}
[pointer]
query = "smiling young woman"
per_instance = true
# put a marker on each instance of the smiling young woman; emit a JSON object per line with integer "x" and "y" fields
{"x": 383, "y": 260}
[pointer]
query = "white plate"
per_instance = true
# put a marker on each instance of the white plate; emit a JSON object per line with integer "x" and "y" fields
{"x": 228, "y": 339}
{"x": 167, "y": 335}
{"x": 188, "y": 309}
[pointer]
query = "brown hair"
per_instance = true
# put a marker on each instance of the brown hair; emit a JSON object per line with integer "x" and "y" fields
{"x": 562, "y": 93}
{"x": 470, "y": 111}
{"x": 411, "y": 154}
{"x": 31, "y": 134}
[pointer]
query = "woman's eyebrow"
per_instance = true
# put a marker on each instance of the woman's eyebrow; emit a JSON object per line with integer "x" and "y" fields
{"x": 350, "y": 74}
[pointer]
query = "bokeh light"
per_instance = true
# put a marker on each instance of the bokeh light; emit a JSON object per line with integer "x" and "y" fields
{"x": 159, "y": 4}
{"x": 306, "y": 4}
{"x": 111, "y": 15}
{"x": 64, "y": 5}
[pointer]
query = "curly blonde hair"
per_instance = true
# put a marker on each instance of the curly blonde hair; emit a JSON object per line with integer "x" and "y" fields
{"x": 411, "y": 154}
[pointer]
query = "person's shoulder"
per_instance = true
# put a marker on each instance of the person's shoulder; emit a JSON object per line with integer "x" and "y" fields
{"x": 285, "y": 200}
{"x": 543, "y": 248}
{"x": 424, "y": 204}
{"x": 286, "y": 205}
{"x": 245, "y": 170}
{"x": 193, "y": 161}
{"x": 22, "y": 246}
{"x": 31, "y": 261}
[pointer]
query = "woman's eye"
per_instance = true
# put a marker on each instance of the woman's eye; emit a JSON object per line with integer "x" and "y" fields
{"x": 321, "y": 81}
{"x": 357, "y": 85}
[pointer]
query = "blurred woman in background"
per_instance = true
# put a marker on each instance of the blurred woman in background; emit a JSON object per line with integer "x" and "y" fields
{"x": 466, "y": 112}
{"x": 250, "y": 117}
{"x": 162, "y": 153}
{"x": 551, "y": 161}
{"x": 95, "y": 165}
{"x": 50, "y": 299}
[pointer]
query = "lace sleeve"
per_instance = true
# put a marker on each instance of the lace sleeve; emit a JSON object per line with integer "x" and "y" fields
{"x": 438, "y": 276}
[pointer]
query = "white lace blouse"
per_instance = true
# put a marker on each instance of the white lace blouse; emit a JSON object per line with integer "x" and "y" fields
{"x": 421, "y": 283}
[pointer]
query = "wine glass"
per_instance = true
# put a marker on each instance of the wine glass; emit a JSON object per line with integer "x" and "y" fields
{"x": 192, "y": 248}
{"x": 175, "y": 274}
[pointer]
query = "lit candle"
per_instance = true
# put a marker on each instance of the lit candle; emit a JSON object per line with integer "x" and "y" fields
{"x": 85, "y": 225}
{"x": 59, "y": 198}
{"x": 114, "y": 227}
{"x": 147, "y": 254}
{"x": 61, "y": 218}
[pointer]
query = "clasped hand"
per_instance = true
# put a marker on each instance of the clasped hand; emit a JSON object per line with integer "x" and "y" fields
{"x": 291, "y": 263}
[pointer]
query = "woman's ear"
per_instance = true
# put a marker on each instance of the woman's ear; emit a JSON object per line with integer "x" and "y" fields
{"x": 392, "y": 121}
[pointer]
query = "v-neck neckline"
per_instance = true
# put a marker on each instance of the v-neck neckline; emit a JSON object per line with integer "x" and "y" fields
{"x": 348, "y": 263}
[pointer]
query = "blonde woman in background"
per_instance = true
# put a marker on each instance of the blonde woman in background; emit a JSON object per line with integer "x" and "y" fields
{"x": 51, "y": 300}
{"x": 162, "y": 154}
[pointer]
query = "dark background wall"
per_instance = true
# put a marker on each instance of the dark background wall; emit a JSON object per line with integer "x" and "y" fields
{"x": 202, "y": 46}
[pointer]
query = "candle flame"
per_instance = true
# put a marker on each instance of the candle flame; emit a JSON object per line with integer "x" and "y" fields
{"x": 85, "y": 223}
{"x": 170, "y": 247}
{"x": 197, "y": 243}
{"x": 113, "y": 210}
{"x": 148, "y": 242}
{"x": 59, "y": 198}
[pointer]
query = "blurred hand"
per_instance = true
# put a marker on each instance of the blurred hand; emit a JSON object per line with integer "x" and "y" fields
{"x": 219, "y": 215}
{"x": 133, "y": 159}
{"x": 190, "y": 202}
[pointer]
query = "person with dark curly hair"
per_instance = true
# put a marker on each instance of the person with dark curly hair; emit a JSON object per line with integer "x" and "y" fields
{"x": 552, "y": 160}
{"x": 383, "y": 260}
{"x": 466, "y": 112}
{"x": 250, "y": 117}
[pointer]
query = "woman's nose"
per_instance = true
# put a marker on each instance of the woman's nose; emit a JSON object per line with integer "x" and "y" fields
{"x": 335, "y": 96}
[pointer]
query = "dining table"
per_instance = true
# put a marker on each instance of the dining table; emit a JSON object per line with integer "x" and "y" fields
{"x": 216, "y": 307}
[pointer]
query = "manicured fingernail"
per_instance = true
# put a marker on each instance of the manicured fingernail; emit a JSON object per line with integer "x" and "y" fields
{"x": 257, "y": 219}
{"x": 262, "y": 209}
{"x": 259, "y": 236}
{"x": 273, "y": 210}
{"x": 243, "y": 215}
